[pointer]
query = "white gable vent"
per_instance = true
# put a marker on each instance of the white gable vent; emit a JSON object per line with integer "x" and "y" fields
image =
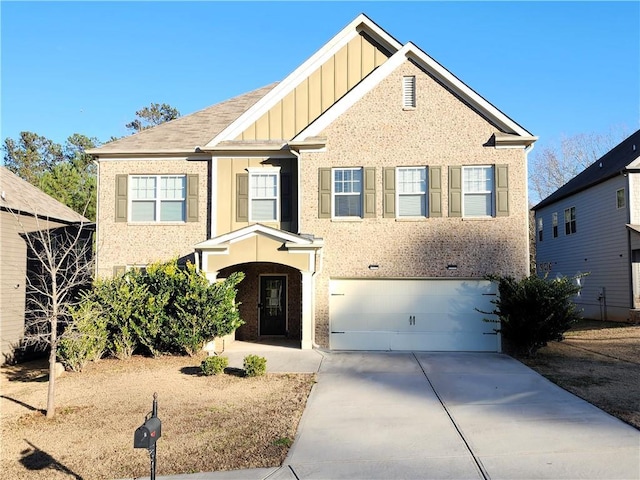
{"x": 409, "y": 92}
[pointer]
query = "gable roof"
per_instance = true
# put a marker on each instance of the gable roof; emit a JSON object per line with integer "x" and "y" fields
{"x": 20, "y": 196}
{"x": 399, "y": 54}
{"x": 184, "y": 134}
{"x": 218, "y": 127}
{"x": 292, "y": 240}
{"x": 510, "y": 131}
{"x": 612, "y": 163}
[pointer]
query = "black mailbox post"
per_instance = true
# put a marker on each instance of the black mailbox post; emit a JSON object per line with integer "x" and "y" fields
{"x": 147, "y": 434}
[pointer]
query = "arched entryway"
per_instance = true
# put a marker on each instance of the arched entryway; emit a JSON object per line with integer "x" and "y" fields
{"x": 270, "y": 299}
{"x": 279, "y": 268}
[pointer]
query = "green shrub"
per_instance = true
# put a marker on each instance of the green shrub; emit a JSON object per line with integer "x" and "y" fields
{"x": 254, "y": 366}
{"x": 214, "y": 365}
{"x": 85, "y": 339}
{"x": 533, "y": 311}
{"x": 165, "y": 308}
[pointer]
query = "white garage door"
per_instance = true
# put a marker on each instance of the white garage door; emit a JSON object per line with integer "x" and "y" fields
{"x": 426, "y": 315}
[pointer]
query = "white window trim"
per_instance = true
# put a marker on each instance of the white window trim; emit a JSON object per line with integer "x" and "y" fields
{"x": 334, "y": 194}
{"x": 262, "y": 171}
{"x": 424, "y": 193}
{"x": 492, "y": 213}
{"x": 157, "y": 200}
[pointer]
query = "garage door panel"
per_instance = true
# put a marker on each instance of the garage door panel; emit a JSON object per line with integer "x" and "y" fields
{"x": 433, "y": 314}
{"x": 443, "y": 342}
{"x": 360, "y": 341}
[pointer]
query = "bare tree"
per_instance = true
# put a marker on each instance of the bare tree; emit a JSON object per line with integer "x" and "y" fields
{"x": 59, "y": 266}
{"x": 552, "y": 167}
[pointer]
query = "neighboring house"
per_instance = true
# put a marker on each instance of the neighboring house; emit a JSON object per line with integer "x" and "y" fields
{"x": 592, "y": 225}
{"x": 23, "y": 209}
{"x": 365, "y": 197}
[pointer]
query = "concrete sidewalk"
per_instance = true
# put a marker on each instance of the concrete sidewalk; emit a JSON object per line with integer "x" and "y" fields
{"x": 382, "y": 415}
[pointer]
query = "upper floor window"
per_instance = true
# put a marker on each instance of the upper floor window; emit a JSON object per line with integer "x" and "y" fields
{"x": 409, "y": 92}
{"x": 263, "y": 195}
{"x": 347, "y": 192}
{"x": 412, "y": 191}
{"x": 620, "y": 199}
{"x": 540, "y": 229}
{"x": 570, "y": 221}
{"x": 477, "y": 191}
{"x": 554, "y": 224}
{"x": 158, "y": 198}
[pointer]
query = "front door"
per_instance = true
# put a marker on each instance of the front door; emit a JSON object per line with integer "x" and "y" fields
{"x": 273, "y": 305}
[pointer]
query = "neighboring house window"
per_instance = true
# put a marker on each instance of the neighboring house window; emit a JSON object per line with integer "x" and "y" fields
{"x": 409, "y": 92}
{"x": 412, "y": 191}
{"x": 540, "y": 225}
{"x": 263, "y": 195}
{"x": 620, "y": 199}
{"x": 158, "y": 198}
{"x": 347, "y": 192}
{"x": 570, "y": 221}
{"x": 477, "y": 191}
{"x": 554, "y": 224}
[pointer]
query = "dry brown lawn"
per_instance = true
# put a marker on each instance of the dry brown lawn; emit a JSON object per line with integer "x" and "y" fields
{"x": 599, "y": 362}
{"x": 220, "y": 422}
{"x": 226, "y": 422}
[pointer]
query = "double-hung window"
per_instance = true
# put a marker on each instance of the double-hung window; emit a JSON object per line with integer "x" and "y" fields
{"x": 554, "y": 224}
{"x": 264, "y": 201}
{"x": 412, "y": 191}
{"x": 158, "y": 198}
{"x": 477, "y": 190}
{"x": 570, "y": 221}
{"x": 347, "y": 192}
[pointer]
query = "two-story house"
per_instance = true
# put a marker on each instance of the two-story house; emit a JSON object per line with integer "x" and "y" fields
{"x": 365, "y": 197}
{"x": 591, "y": 225}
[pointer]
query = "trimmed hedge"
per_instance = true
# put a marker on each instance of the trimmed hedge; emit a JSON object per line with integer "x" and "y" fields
{"x": 534, "y": 311}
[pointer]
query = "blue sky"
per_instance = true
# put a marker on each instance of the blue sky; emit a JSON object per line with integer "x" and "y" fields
{"x": 556, "y": 68}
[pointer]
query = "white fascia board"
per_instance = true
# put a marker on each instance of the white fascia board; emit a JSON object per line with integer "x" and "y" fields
{"x": 635, "y": 163}
{"x": 464, "y": 91}
{"x": 355, "y": 94}
{"x": 252, "y": 230}
{"x": 362, "y": 22}
{"x": 410, "y": 51}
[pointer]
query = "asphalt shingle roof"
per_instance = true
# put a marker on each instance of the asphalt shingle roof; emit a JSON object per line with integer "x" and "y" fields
{"x": 19, "y": 195}
{"x": 609, "y": 165}
{"x": 185, "y": 133}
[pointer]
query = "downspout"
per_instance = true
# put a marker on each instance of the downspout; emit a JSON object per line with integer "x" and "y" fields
{"x": 527, "y": 150}
{"x": 632, "y": 302}
{"x": 96, "y": 256}
{"x": 318, "y": 270}
{"x": 318, "y": 254}
{"x": 298, "y": 189}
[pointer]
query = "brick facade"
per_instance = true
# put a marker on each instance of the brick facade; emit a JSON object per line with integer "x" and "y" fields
{"x": 441, "y": 131}
{"x": 127, "y": 243}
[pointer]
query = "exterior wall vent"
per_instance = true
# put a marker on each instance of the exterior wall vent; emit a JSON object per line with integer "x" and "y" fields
{"x": 409, "y": 92}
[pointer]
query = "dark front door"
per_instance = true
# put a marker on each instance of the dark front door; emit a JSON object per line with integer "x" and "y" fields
{"x": 273, "y": 305}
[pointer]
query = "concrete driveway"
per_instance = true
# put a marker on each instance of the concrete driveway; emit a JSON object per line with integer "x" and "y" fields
{"x": 375, "y": 415}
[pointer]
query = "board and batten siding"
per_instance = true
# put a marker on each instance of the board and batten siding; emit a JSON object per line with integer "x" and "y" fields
{"x": 600, "y": 247}
{"x": 318, "y": 91}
